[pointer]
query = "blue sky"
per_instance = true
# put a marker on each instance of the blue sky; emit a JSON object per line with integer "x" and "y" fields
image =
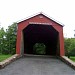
{"x": 61, "y": 10}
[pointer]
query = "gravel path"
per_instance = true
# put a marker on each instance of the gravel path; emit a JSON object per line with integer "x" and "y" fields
{"x": 37, "y": 66}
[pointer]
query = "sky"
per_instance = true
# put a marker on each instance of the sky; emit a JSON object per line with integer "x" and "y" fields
{"x": 61, "y": 10}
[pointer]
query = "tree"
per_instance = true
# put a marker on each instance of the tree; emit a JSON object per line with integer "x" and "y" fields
{"x": 8, "y": 40}
{"x": 11, "y": 38}
{"x": 66, "y": 45}
{"x": 69, "y": 46}
{"x": 72, "y": 47}
{"x": 2, "y": 34}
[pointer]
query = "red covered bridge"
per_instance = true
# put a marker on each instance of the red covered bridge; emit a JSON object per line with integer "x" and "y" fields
{"x": 40, "y": 29}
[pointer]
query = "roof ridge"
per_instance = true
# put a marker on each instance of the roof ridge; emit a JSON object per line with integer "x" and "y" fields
{"x": 42, "y": 14}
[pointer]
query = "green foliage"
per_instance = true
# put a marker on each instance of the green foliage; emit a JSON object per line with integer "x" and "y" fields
{"x": 11, "y": 38}
{"x": 2, "y": 34}
{"x": 39, "y": 48}
{"x": 70, "y": 46}
{"x": 8, "y": 40}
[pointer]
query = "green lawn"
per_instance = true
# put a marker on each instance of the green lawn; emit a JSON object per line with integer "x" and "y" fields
{"x": 72, "y": 58}
{"x": 3, "y": 57}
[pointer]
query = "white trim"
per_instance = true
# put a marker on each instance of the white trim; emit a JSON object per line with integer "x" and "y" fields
{"x": 53, "y": 19}
{"x": 42, "y": 14}
{"x": 40, "y": 23}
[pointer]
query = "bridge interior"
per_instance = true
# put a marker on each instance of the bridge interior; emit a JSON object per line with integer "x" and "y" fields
{"x": 37, "y": 33}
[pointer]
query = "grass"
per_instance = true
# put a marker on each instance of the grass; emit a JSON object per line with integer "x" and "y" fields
{"x": 72, "y": 58}
{"x": 3, "y": 57}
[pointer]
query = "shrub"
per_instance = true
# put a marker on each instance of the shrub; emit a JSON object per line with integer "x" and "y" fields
{"x": 39, "y": 48}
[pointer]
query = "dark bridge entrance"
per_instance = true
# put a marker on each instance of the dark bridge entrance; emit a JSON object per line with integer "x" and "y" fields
{"x": 35, "y": 33}
{"x": 40, "y": 29}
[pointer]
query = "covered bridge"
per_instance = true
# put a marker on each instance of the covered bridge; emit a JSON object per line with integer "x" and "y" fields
{"x": 40, "y": 29}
